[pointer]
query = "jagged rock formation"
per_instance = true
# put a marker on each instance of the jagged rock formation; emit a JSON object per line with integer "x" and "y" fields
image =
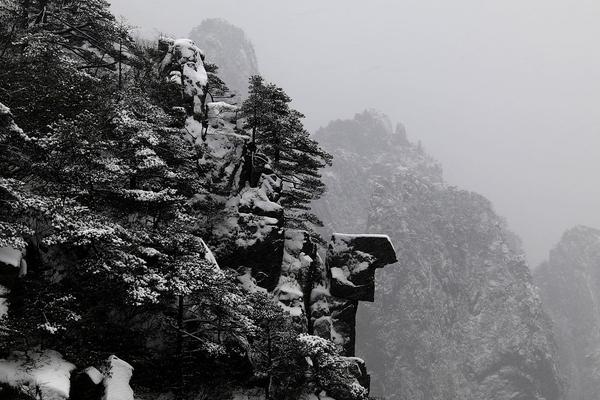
{"x": 349, "y": 278}
{"x": 458, "y": 318}
{"x": 242, "y": 220}
{"x": 365, "y": 148}
{"x": 569, "y": 283}
{"x": 183, "y": 64}
{"x": 227, "y": 46}
{"x": 247, "y": 234}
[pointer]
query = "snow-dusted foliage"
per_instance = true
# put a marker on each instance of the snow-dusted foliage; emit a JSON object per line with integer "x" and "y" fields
{"x": 330, "y": 371}
{"x": 352, "y": 260}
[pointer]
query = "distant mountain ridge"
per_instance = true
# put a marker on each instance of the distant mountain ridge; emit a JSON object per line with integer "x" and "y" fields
{"x": 458, "y": 317}
{"x": 365, "y": 148}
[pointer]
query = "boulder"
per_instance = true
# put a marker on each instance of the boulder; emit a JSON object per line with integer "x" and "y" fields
{"x": 116, "y": 381}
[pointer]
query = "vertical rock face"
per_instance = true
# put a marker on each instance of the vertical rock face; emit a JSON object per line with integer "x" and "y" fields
{"x": 348, "y": 277}
{"x": 458, "y": 318}
{"x": 227, "y": 46}
{"x": 569, "y": 283}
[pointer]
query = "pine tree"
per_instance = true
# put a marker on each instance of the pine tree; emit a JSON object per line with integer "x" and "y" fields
{"x": 274, "y": 354}
{"x": 278, "y": 132}
{"x": 328, "y": 370}
{"x": 217, "y": 88}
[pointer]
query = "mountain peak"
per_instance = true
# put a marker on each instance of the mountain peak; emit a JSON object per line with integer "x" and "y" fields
{"x": 227, "y": 46}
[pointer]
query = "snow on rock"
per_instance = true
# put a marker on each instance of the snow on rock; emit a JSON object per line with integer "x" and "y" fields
{"x": 95, "y": 376}
{"x": 348, "y": 277}
{"x": 227, "y": 46}
{"x": 222, "y": 153}
{"x": 249, "y": 231}
{"x": 248, "y": 283}
{"x": 10, "y": 257}
{"x": 256, "y": 201}
{"x": 300, "y": 266}
{"x": 116, "y": 381}
{"x": 209, "y": 256}
{"x": 290, "y": 296}
{"x": 8, "y": 125}
{"x": 220, "y": 112}
{"x": 43, "y": 372}
{"x": 352, "y": 260}
{"x": 183, "y": 64}
{"x": 340, "y": 277}
{"x": 180, "y": 52}
{"x": 12, "y": 264}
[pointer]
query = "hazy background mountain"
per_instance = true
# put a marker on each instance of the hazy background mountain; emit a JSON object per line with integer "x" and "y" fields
{"x": 569, "y": 283}
{"x": 227, "y": 46}
{"x": 503, "y": 93}
{"x": 458, "y": 316}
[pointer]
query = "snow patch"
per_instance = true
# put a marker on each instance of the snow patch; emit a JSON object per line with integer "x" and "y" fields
{"x": 116, "y": 383}
{"x": 95, "y": 375}
{"x": 249, "y": 283}
{"x": 44, "y": 371}
{"x": 339, "y": 275}
{"x": 10, "y": 256}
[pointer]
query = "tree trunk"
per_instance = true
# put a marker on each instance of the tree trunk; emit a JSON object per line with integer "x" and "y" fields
{"x": 179, "y": 349}
{"x": 120, "y": 59}
{"x": 25, "y": 14}
{"x": 270, "y": 364}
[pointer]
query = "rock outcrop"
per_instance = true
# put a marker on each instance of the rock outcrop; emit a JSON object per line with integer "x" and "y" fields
{"x": 352, "y": 261}
{"x": 569, "y": 284}
{"x": 348, "y": 277}
{"x": 183, "y": 64}
{"x": 458, "y": 318}
{"x": 227, "y": 46}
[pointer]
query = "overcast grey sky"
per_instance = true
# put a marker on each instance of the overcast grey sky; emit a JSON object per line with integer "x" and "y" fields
{"x": 505, "y": 93}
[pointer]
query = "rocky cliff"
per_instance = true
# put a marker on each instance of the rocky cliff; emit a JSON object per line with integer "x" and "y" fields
{"x": 458, "y": 317}
{"x": 365, "y": 148}
{"x": 569, "y": 283}
{"x": 227, "y": 46}
{"x": 237, "y": 212}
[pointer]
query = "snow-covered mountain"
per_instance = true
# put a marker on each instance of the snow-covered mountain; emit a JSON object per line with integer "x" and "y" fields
{"x": 458, "y": 316}
{"x": 365, "y": 149}
{"x": 569, "y": 283}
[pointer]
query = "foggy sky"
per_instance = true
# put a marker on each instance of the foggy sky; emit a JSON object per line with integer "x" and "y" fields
{"x": 504, "y": 93}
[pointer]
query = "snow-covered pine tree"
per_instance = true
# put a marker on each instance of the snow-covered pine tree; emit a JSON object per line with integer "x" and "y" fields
{"x": 278, "y": 132}
{"x": 97, "y": 194}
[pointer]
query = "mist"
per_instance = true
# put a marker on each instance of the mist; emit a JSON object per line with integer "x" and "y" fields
{"x": 503, "y": 94}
